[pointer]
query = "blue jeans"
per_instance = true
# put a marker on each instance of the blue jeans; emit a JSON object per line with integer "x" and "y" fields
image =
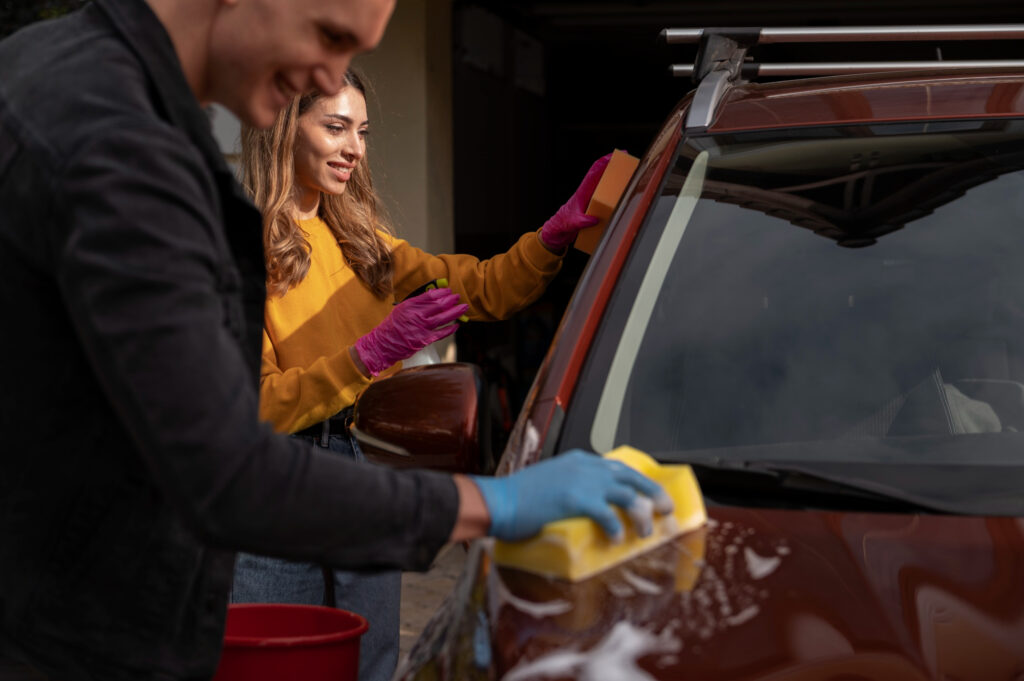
{"x": 374, "y": 595}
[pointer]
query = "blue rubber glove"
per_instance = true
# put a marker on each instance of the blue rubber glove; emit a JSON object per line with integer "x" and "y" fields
{"x": 570, "y": 485}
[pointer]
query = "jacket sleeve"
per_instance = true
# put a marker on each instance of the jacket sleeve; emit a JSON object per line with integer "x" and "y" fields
{"x": 495, "y": 288}
{"x": 141, "y": 260}
{"x": 299, "y": 397}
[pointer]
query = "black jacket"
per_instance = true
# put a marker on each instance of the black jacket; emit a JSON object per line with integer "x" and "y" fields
{"x": 131, "y": 455}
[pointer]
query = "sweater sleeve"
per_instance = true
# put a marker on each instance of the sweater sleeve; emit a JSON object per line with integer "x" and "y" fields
{"x": 297, "y": 398}
{"x": 495, "y": 288}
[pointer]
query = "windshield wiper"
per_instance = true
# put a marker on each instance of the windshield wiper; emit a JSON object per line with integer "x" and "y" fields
{"x": 802, "y": 485}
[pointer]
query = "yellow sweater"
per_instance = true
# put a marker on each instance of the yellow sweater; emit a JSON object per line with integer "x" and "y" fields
{"x": 307, "y": 374}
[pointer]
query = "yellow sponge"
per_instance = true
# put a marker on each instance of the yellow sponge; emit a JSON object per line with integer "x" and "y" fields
{"x": 577, "y": 548}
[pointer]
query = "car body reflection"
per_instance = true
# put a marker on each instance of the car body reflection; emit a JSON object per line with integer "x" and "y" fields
{"x": 756, "y": 594}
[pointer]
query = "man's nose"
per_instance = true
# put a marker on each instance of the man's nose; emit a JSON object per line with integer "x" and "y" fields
{"x": 329, "y": 78}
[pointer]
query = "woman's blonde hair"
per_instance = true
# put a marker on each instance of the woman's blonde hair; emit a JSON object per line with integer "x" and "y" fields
{"x": 356, "y": 217}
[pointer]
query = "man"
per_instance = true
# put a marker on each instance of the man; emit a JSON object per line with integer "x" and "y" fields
{"x": 132, "y": 462}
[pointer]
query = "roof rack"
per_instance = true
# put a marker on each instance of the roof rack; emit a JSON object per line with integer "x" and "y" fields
{"x": 722, "y": 56}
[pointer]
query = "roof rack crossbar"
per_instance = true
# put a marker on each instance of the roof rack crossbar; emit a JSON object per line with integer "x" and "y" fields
{"x": 845, "y": 68}
{"x": 674, "y": 36}
{"x": 722, "y": 55}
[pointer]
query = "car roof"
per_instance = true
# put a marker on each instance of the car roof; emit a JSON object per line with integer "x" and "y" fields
{"x": 868, "y": 98}
{"x": 882, "y": 89}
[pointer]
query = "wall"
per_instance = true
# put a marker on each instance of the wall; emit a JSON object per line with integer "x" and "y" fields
{"x": 411, "y": 123}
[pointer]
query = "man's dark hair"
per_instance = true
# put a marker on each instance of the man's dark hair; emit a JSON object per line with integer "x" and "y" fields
{"x": 15, "y": 14}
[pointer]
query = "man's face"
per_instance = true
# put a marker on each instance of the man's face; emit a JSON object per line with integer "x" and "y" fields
{"x": 263, "y": 52}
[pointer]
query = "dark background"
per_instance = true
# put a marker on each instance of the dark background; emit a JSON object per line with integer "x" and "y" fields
{"x": 542, "y": 89}
{"x": 17, "y": 13}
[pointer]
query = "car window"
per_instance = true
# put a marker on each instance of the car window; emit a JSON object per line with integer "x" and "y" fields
{"x": 863, "y": 285}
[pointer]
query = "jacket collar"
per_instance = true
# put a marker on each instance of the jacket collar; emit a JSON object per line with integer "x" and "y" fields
{"x": 142, "y": 31}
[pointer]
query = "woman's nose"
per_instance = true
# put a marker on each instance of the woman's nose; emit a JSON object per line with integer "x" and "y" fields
{"x": 354, "y": 146}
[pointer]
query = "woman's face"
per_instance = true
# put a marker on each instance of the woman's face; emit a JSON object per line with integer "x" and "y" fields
{"x": 330, "y": 142}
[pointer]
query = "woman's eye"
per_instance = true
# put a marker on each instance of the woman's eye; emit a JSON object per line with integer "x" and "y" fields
{"x": 364, "y": 133}
{"x": 335, "y": 128}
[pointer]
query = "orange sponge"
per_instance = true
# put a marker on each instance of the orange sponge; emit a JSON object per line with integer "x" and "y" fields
{"x": 606, "y": 197}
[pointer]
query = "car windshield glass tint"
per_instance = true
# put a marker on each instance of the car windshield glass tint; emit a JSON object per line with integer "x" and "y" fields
{"x": 863, "y": 287}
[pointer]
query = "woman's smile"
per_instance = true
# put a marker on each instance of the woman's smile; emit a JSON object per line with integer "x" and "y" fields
{"x": 341, "y": 170}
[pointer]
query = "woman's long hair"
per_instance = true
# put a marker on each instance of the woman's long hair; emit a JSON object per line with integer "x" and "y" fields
{"x": 356, "y": 217}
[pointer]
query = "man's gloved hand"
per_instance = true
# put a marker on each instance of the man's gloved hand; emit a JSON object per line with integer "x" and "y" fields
{"x": 570, "y": 485}
{"x": 560, "y": 230}
{"x": 412, "y": 325}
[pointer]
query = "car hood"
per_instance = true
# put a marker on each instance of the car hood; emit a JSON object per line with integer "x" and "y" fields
{"x": 755, "y": 594}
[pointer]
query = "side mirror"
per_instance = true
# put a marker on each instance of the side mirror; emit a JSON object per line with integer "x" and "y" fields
{"x": 429, "y": 416}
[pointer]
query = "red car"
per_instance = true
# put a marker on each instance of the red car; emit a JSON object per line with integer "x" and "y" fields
{"x": 812, "y": 291}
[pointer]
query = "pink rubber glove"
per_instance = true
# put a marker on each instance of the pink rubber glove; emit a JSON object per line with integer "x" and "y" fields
{"x": 412, "y": 325}
{"x": 561, "y": 229}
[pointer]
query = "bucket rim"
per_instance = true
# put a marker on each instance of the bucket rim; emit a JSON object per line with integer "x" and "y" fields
{"x": 295, "y": 641}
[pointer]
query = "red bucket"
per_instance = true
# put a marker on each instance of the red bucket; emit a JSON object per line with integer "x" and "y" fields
{"x": 277, "y": 642}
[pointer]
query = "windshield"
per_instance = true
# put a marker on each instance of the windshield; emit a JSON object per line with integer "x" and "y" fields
{"x": 833, "y": 295}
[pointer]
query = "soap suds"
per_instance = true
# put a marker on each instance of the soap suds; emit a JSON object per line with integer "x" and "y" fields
{"x": 642, "y": 585}
{"x": 619, "y": 590}
{"x": 641, "y": 513}
{"x": 728, "y": 594}
{"x": 758, "y": 566}
{"x": 730, "y": 591}
{"x": 532, "y": 608}
{"x": 748, "y": 613}
{"x": 614, "y": 658}
{"x": 531, "y": 438}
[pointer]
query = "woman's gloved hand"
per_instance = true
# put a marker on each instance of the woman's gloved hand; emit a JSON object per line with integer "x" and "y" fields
{"x": 560, "y": 230}
{"x": 570, "y": 485}
{"x": 412, "y": 325}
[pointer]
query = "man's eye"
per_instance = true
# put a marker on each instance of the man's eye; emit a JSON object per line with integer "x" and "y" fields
{"x": 335, "y": 40}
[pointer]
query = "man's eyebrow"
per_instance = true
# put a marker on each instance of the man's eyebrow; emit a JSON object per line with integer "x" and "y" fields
{"x": 345, "y": 119}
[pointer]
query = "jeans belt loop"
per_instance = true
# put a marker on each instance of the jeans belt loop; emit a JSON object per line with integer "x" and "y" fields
{"x": 325, "y": 433}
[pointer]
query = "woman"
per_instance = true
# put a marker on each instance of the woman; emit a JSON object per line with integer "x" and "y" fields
{"x": 334, "y": 274}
